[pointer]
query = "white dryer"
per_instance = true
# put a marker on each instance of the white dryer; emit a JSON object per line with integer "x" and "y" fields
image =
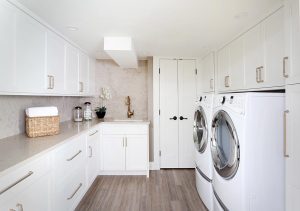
{"x": 202, "y": 135}
{"x": 247, "y": 152}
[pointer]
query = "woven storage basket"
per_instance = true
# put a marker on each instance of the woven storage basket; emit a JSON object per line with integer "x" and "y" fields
{"x": 42, "y": 126}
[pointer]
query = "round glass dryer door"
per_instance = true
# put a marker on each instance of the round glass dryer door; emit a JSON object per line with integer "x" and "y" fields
{"x": 200, "y": 130}
{"x": 225, "y": 145}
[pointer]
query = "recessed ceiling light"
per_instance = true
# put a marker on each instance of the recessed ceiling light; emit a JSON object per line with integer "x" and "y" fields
{"x": 72, "y": 28}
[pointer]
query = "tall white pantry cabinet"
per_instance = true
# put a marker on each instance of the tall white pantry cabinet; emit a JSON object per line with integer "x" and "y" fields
{"x": 292, "y": 113}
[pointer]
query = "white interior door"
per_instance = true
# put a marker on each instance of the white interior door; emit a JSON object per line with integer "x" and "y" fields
{"x": 292, "y": 148}
{"x": 186, "y": 95}
{"x": 168, "y": 113}
{"x": 136, "y": 152}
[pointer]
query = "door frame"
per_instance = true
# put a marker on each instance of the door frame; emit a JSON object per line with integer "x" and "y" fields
{"x": 155, "y": 164}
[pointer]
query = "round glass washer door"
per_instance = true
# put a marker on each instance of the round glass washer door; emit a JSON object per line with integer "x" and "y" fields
{"x": 225, "y": 147}
{"x": 200, "y": 132}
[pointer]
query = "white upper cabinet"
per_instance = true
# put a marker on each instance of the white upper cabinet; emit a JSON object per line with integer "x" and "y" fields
{"x": 55, "y": 72}
{"x": 273, "y": 37}
{"x": 253, "y": 50}
{"x": 30, "y": 54}
{"x": 92, "y": 76}
{"x": 7, "y": 49}
{"x": 72, "y": 71}
{"x": 208, "y": 73}
{"x": 254, "y": 60}
{"x": 292, "y": 41}
{"x": 236, "y": 65}
{"x": 224, "y": 80}
{"x": 36, "y": 61}
{"x": 83, "y": 74}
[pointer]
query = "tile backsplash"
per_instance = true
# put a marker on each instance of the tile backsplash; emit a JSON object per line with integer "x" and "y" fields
{"x": 12, "y": 111}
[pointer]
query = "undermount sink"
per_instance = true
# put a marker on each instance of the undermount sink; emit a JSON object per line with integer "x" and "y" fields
{"x": 127, "y": 120}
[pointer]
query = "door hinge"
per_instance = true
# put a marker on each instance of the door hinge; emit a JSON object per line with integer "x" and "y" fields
{"x": 196, "y": 71}
{"x": 159, "y": 112}
{"x": 159, "y": 152}
{"x": 159, "y": 71}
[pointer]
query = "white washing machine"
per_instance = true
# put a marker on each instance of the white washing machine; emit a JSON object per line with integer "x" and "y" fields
{"x": 247, "y": 152}
{"x": 202, "y": 135}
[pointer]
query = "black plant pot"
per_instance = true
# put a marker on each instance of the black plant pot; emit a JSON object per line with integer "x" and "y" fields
{"x": 100, "y": 115}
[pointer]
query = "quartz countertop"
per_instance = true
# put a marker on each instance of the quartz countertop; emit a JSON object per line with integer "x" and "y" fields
{"x": 19, "y": 148}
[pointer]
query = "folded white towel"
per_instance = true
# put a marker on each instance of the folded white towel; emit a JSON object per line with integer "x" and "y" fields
{"x": 42, "y": 111}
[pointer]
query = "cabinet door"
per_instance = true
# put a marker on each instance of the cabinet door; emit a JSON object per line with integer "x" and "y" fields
{"x": 55, "y": 64}
{"x": 113, "y": 152}
{"x": 72, "y": 70}
{"x": 293, "y": 72}
{"x": 273, "y": 31}
{"x": 137, "y": 157}
{"x": 169, "y": 113}
{"x": 292, "y": 148}
{"x": 92, "y": 76}
{"x": 83, "y": 74}
{"x": 33, "y": 198}
{"x": 224, "y": 80}
{"x": 237, "y": 69}
{"x": 253, "y": 51}
{"x": 93, "y": 156}
{"x": 30, "y": 54}
{"x": 7, "y": 49}
{"x": 186, "y": 96}
{"x": 208, "y": 73}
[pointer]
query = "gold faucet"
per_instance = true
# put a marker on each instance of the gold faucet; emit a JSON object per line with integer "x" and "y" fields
{"x": 128, "y": 103}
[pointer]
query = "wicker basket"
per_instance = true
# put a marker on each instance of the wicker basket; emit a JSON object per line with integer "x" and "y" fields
{"x": 42, "y": 126}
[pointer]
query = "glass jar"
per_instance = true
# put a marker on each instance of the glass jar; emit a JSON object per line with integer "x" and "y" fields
{"x": 77, "y": 114}
{"x": 87, "y": 113}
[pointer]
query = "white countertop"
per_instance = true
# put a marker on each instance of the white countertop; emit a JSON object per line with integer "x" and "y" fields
{"x": 19, "y": 148}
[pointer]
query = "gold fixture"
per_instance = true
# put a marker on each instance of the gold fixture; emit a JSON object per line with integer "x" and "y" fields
{"x": 128, "y": 103}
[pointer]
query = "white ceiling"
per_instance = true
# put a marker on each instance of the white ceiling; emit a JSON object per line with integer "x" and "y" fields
{"x": 187, "y": 28}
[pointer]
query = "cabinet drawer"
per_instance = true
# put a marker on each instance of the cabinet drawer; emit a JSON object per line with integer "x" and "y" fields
{"x": 68, "y": 195}
{"x": 23, "y": 177}
{"x": 68, "y": 157}
{"x": 124, "y": 129}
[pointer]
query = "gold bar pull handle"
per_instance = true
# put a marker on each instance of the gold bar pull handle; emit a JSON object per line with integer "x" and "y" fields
{"x": 17, "y": 182}
{"x": 285, "y": 134}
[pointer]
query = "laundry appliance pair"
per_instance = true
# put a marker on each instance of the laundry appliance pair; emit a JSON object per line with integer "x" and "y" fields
{"x": 239, "y": 151}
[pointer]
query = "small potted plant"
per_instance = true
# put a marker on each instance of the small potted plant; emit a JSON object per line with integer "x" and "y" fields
{"x": 105, "y": 95}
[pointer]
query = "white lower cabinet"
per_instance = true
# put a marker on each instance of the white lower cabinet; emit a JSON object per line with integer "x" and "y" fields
{"x": 136, "y": 152}
{"x": 124, "y": 153}
{"x": 33, "y": 198}
{"x": 113, "y": 152}
{"x": 93, "y": 157}
{"x": 292, "y": 147}
{"x": 58, "y": 179}
{"x": 69, "y": 193}
{"x": 27, "y": 188}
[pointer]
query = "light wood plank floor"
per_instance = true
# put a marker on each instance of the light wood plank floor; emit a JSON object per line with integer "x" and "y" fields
{"x": 165, "y": 190}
